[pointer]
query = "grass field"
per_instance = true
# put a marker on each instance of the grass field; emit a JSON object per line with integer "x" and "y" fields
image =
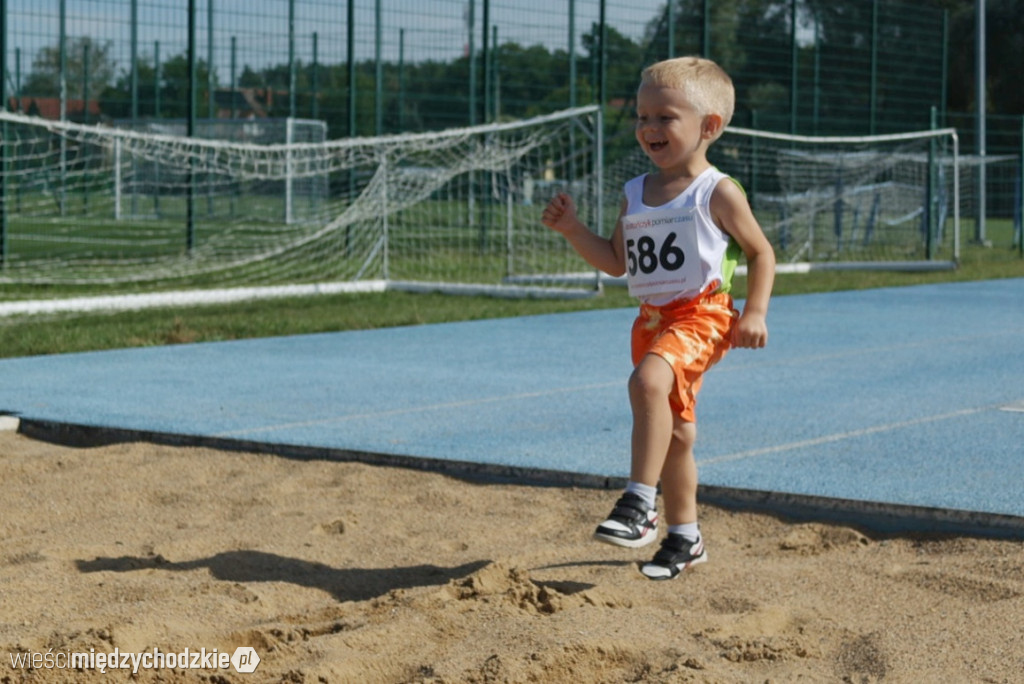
{"x": 31, "y": 335}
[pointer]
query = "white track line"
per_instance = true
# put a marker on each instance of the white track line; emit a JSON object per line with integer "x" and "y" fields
{"x": 418, "y": 409}
{"x": 839, "y": 436}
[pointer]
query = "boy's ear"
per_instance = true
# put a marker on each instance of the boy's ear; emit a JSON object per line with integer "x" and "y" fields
{"x": 711, "y": 126}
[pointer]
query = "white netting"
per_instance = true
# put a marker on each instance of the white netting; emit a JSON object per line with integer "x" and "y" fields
{"x": 875, "y": 201}
{"x": 104, "y": 205}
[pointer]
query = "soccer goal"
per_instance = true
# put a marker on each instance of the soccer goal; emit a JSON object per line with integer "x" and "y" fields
{"x": 883, "y": 202}
{"x": 138, "y": 210}
{"x": 301, "y": 195}
{"x": 872, "y": 202}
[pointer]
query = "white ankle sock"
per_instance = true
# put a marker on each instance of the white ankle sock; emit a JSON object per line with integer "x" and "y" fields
{"x": 648, "y": 492}
{"x": 688, "y": 530}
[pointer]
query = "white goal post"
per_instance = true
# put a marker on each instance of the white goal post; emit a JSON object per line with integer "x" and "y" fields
{"x": 457, "y": 209}
{"x": 841, "y": 202}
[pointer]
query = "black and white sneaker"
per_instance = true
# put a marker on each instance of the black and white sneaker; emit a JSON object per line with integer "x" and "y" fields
{"x": 677, "y": 553}
{"x": 632, "y": 523}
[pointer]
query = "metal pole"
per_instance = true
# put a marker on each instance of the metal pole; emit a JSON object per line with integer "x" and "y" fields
{"x": 134, "y": 66}
{"x": 794, "y": 74}
{"x": 471, "y": 182}
{"x": 485, "y": 30}
{"x": 943, "y": 94}
{"x": 19, "y": 105}
{"x": 157, "y": 74}
{"x": 234, "y": 79}
{"x": 315, "y": 112}
{"x": 63, "y": 64}
{"x": 85, "y": 116}
{"x": 210, "y": 114}
{"x": 378, "y": 69}
{"x": 291, "y": 58}
{"x": 210, "y": 132}
{"x": 930, "y": 192}
{"x": 85, "y": 83}
{"x": 979, "y": 226}
{"x": 817, "y": 77}
{"x": 401, "y": 80}
{"x": 63, "y": 79}
{"x": 599, "y": 179}
{"x": 351, "y": 56}
{"x": 872, "y": 117}
{"x": 190, "y": 130}
{"x": 496, "y": 87}
{"x": 236, "y": 186}
{"x": 602, "y": 55}
{"x": 705, "y": 37}
{"x": 572, "y": 53}
{"x": 1020, "y": 196}
{"x": 470, "y": 27}
{"x": 3, "y": 147}
{"x": 670, "y": 11}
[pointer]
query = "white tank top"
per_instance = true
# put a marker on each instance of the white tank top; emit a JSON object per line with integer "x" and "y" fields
{"x": 675, "y": 251}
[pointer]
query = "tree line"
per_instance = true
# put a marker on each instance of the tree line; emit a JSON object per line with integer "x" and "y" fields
{"x": 822, "y": 81}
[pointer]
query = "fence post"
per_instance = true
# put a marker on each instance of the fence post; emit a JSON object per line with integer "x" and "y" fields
{"x": 190, "y": 228}
{"x": 1020, "y": 194}
{"x": 3, "y": 135}
{"x": 979, "y": 102}
{"x": 794, "y": 70}
{"x": 929, "y": 193}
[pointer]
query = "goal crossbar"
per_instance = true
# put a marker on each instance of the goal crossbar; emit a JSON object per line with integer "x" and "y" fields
{"x": 98, "y": 205}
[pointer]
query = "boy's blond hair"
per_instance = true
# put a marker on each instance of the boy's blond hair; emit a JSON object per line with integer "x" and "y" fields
{"x": 705, "y": 84}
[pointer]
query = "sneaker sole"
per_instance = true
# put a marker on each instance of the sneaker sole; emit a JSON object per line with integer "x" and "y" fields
{"x": 703, "y": 558}
{"x": 626, "y": 543}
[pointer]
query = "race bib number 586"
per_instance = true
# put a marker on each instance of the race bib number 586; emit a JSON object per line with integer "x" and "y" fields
{"x": 661, "y": 251}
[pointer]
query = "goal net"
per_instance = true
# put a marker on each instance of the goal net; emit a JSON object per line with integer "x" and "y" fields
{"x": 139, "y": 210}
{"x": 887, "y": 201}
{"x": 300, "y": 195}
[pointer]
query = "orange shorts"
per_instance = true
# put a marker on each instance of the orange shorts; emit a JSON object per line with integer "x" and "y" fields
{"x": 691, "y": 336}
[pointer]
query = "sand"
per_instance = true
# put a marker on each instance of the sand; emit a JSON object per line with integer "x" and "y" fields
{"x": 346, "y": 572}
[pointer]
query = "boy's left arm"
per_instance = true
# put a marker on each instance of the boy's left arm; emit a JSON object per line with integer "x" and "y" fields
{"x": 732, "y": 212}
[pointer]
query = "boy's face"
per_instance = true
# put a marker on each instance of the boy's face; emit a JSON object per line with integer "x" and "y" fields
{"x": 668, "y": 128}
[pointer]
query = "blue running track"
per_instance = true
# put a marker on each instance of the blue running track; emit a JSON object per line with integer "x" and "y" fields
{"x": 895, "y": 408}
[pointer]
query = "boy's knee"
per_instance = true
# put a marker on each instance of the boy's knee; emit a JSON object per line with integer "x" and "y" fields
{"x": 651, "y": 380}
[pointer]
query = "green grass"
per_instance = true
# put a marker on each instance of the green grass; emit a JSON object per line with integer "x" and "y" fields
{"x": 32, "y": 335}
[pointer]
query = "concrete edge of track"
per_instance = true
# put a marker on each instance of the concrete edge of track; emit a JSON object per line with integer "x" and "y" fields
{"x": 874, "y": 517}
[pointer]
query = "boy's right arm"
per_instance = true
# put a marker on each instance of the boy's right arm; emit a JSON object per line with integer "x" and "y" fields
{"x": 606, "y": 254}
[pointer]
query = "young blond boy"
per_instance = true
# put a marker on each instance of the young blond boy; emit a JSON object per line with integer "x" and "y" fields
{"x": 677, "y": 238}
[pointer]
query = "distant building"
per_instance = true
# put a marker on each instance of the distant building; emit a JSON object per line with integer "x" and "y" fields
{"x": 244, "y": 103}
{"x": 49, "y": 108}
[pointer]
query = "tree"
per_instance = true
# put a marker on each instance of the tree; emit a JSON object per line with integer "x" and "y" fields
{"x": 173, "y": 90}
{"x": 44, "y": 79}
{"x": 1004, "y": 46}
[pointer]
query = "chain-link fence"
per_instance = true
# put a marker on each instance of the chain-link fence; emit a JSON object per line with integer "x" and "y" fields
{"x": 379, "y": 66}
{"x": 367, "y": 67}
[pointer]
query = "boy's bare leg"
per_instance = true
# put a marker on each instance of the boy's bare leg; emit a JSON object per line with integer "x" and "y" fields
{"x": 633, "y": 521}
{"x": 679, "y": 476}
{"x": 683, "y": 546}
{"x": 653, "y": 421}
